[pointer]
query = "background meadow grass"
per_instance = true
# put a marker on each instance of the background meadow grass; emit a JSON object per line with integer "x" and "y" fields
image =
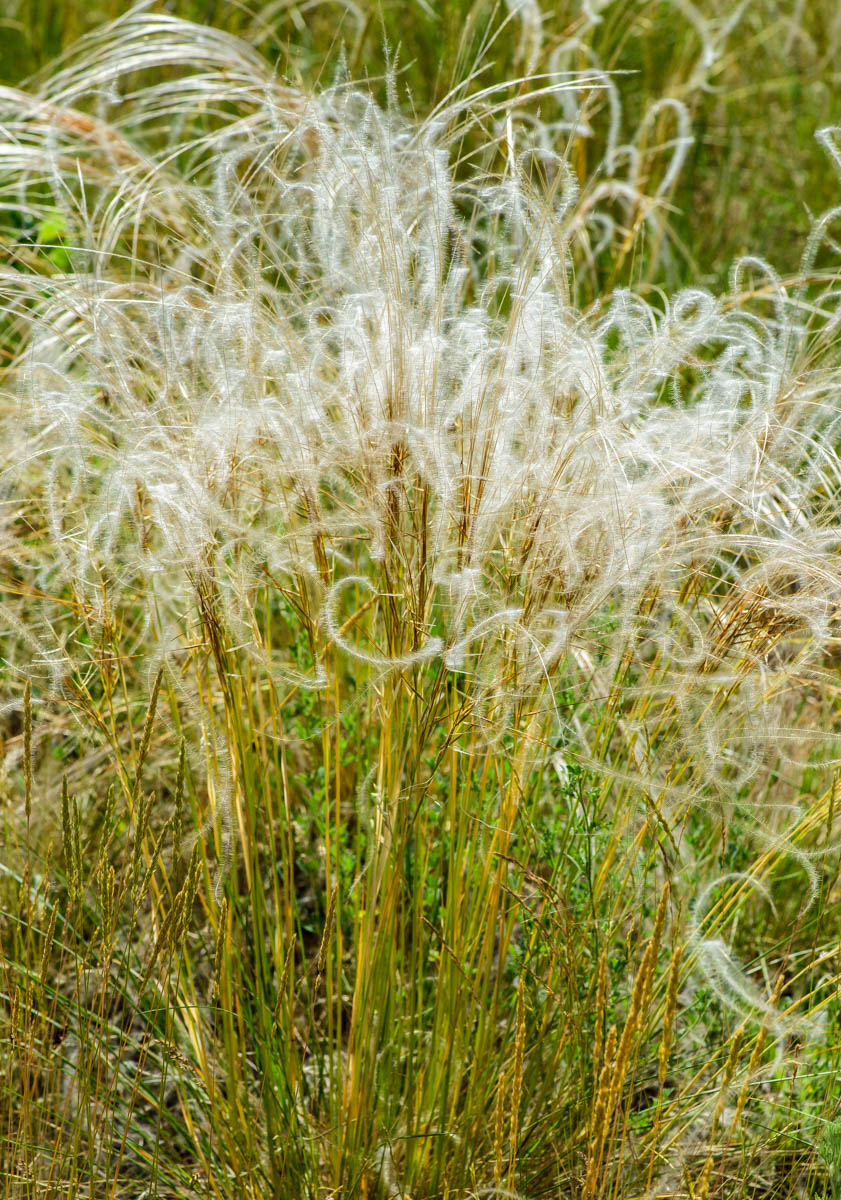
{"x": 753, "y": 173}
{"x": 419, "y": 602}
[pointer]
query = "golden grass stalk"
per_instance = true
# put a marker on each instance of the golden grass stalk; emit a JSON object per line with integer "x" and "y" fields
{"x": 702, "y": 1188}
{"x": 27, "y": 749}
{"x": 600, "y": 1116}
{"x": 517, "y": 1081}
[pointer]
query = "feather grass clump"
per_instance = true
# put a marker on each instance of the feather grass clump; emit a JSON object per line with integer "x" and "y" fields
{"x": 299, "y": 342}
{"x": 313, "y": 412}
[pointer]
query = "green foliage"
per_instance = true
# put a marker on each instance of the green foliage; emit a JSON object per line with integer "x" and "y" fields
{"x": 50, "y": 235}
{"x": 829, "y": 1148}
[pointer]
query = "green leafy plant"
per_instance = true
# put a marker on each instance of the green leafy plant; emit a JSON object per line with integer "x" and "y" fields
{"x": 829, "y": 1148}
{"x": 51, "y": 233}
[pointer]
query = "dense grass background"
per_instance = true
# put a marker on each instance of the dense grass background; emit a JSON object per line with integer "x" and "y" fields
{"x": 754, "y": 173}
{"x": 420, "y": 616}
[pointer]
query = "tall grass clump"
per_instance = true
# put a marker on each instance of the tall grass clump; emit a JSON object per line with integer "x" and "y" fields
{"x": 419, "y": 659}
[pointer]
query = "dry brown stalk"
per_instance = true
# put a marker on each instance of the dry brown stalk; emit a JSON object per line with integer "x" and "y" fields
{"x": 178, "y": 812}
{"x": 601, "y": 1116}
{"x": 517, "y": 1087}
{"x": 48, "y": 945}
{"x": 147, "y": 731}
{"x": 601, "y": 992}
{"x": 325, "y": 940}
{"x": 27, "y": 748}
{"x": 703, "y": 1188}
{"x": 186, "y": 897}
{"x": 669, "y": 1016}
{"x": 283, "y": 985}
{"x": 626, "y": 1042}
{"x": 499, "y": 1125}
